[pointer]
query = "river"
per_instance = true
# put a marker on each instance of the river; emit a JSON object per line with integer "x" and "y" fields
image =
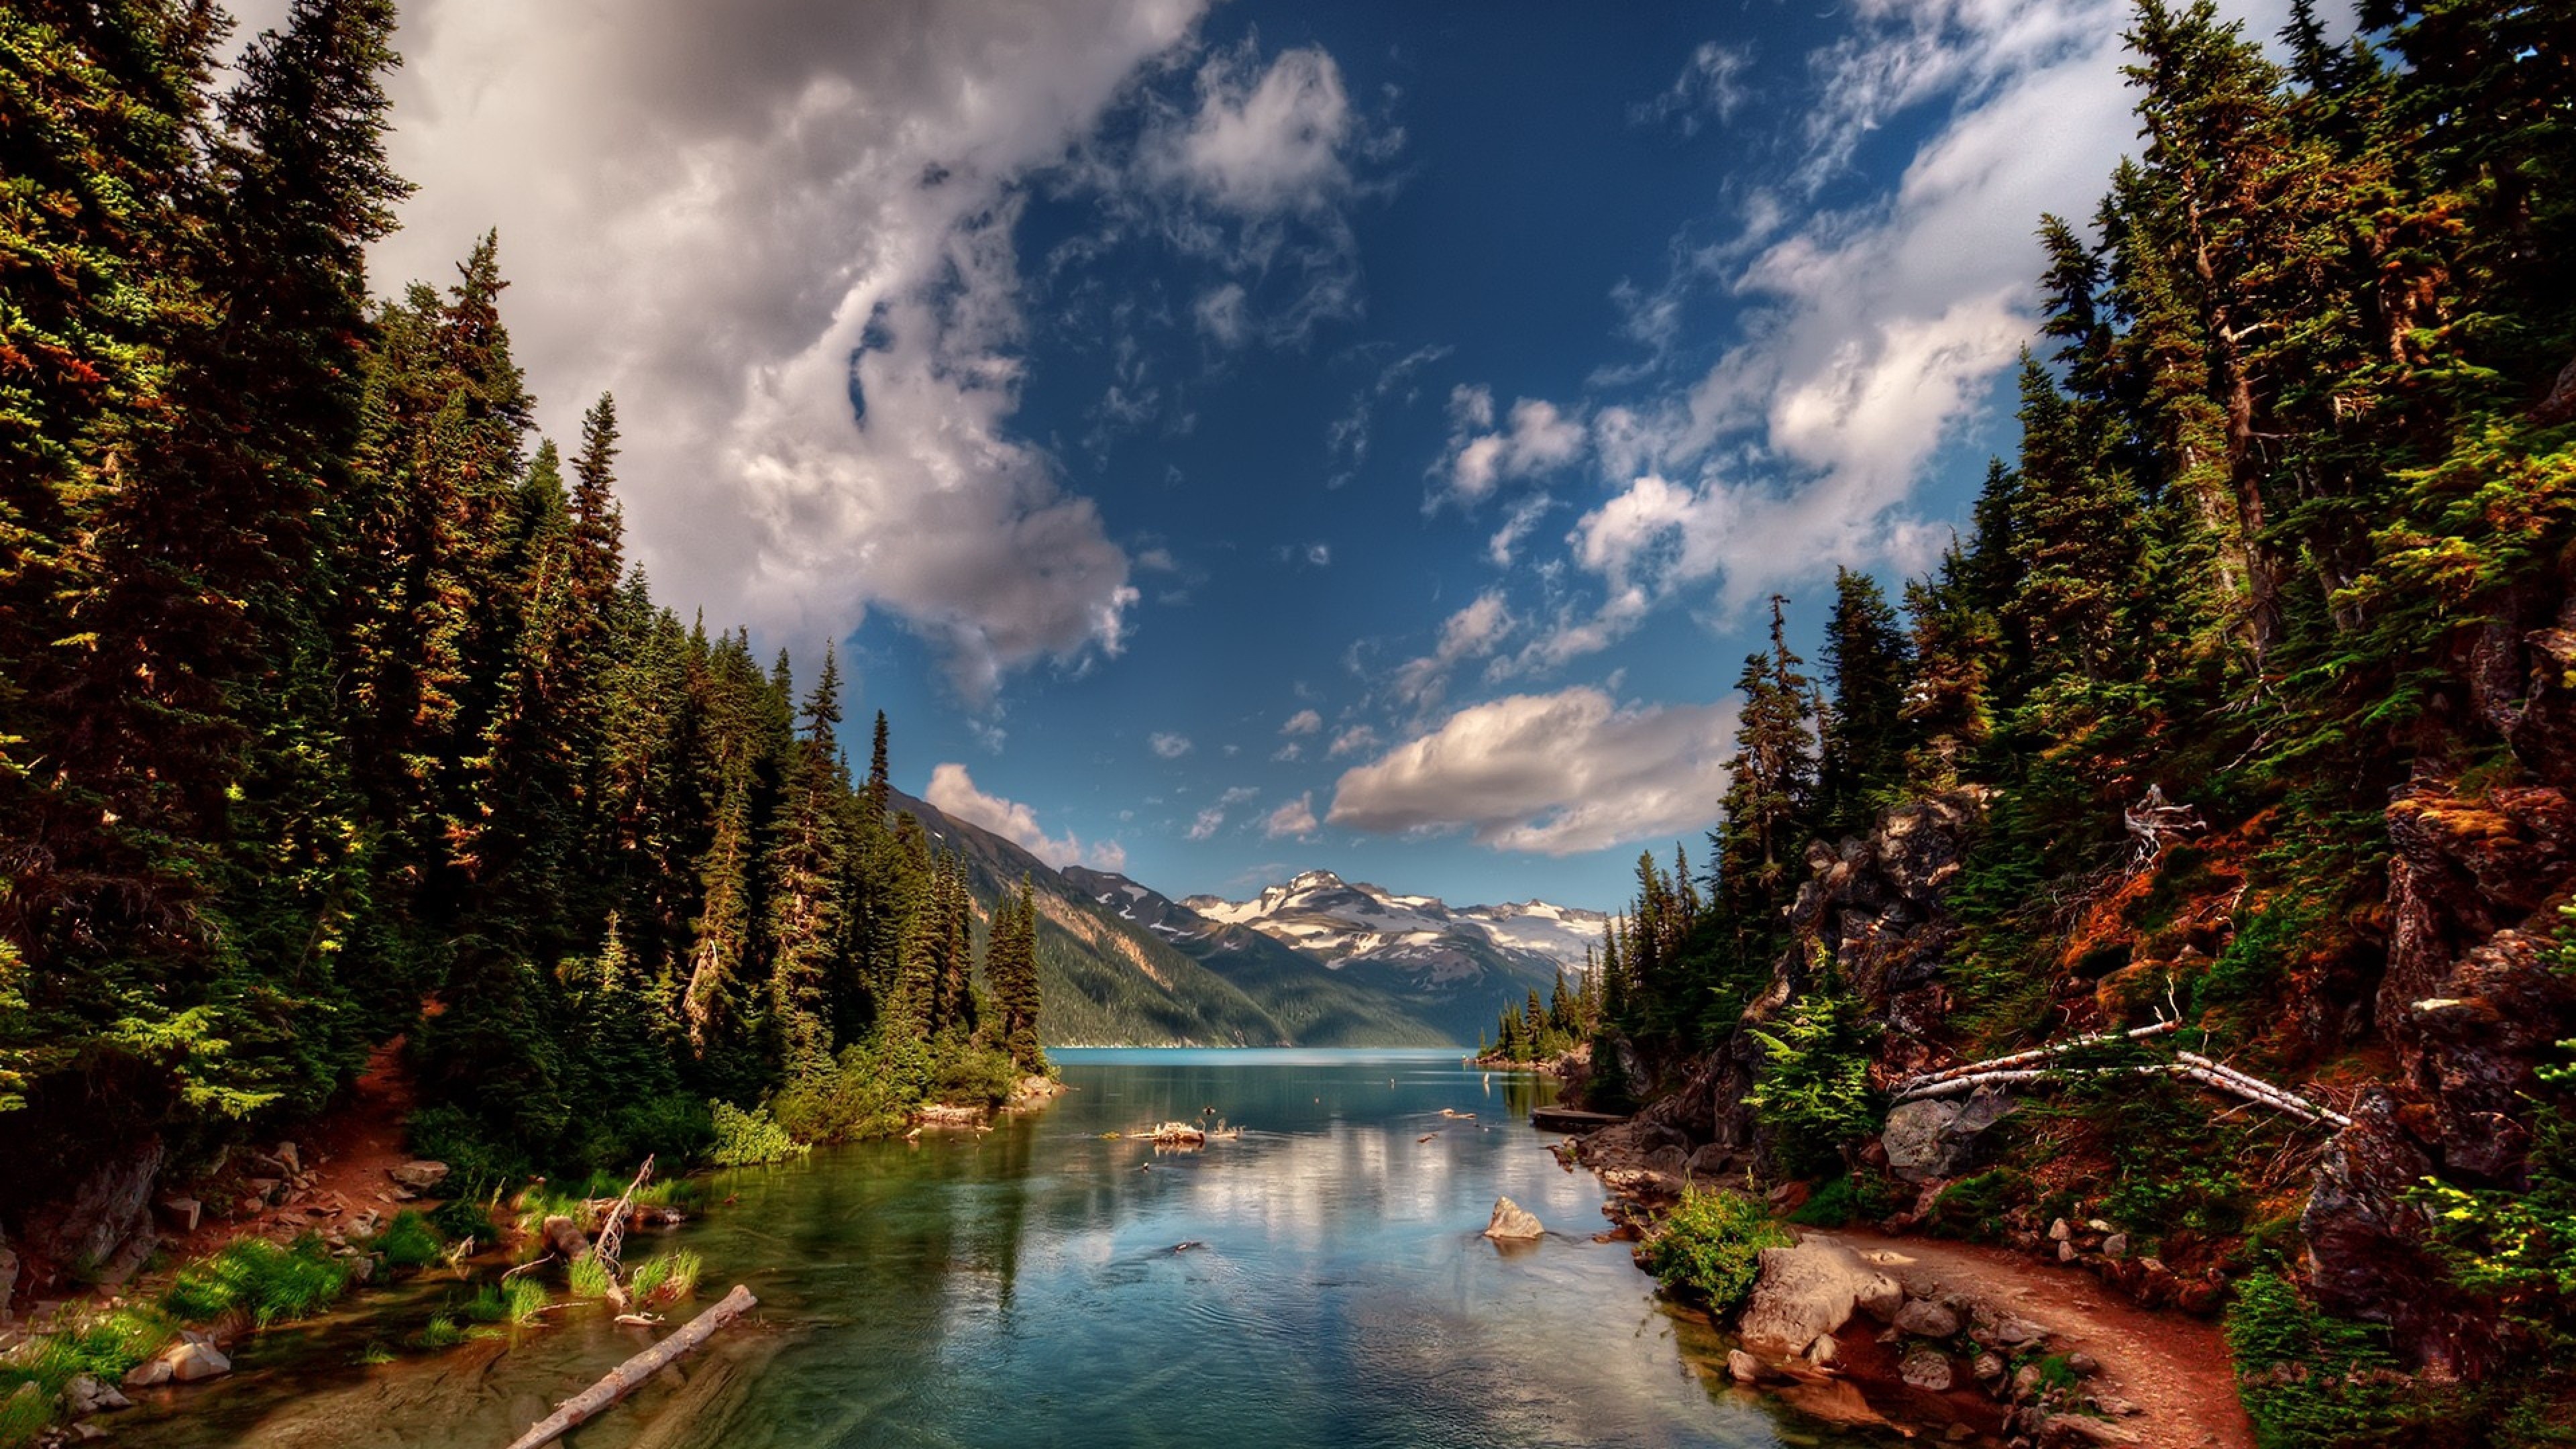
{"x": 1028, "y": 1286}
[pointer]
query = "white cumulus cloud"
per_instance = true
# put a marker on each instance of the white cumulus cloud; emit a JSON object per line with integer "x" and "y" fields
{"x": 1303, "y": 722}
{"x": 1553, "y": 774}
{"x": 953, "y": 793}
{"x": 781, "y": 232}
{"x": 1296, "y": 817}
{"x": 1535, "y": 438}
{"x": 1169, "y": 746}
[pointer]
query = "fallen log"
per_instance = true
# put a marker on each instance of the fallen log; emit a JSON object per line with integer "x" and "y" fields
{"x": 627, "y": 1377}
{"x": 2037, "y": 1054}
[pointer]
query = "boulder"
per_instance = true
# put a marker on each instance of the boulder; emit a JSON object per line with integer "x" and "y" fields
{"x": 1927, "y": 1369}
{"x": 1988, "y": 1367}
{"x": 2082, "y": 1364}
{"x": 1924, "y": 1318}
{"x": 290, "y": 1159}
{"x": 1743, "y": 1367}
{"x": 181, "y": 1213}
{"x": 2116, "y": 1246}
{"x": 1824, "y": 1351}
{"x": 152, "y": 1373}
{"x": 419, "y": 1176}
{"x": 1513, "y": 1223}
{"x": 86, "y": 1395}
{"x": 191, "y": 1361}
{"x": 1807, "y": 1290}
{"x": 1938, "y": 1137}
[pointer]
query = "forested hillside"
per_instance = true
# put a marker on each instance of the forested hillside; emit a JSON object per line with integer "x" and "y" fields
{"x": 1109, "y": 979}
{"x": 332, "y": 713}
{"x": 2248, "y": 701}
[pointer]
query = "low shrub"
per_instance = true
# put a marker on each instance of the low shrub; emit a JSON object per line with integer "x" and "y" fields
{"x": 745, "y": 1139}
{"x": 1832, "y": 1206}
{"x": 441, "y": 1332}
{"x": 1711, "y": 1247}
{"x": 464, "y": 1218}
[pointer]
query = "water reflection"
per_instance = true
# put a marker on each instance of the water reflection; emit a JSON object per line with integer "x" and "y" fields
{"x": 1027, "y": 1286}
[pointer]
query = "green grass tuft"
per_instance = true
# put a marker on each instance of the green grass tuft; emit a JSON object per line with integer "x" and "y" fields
{"x": 441, "y": 1332}
{"x": 591, "y": 1278}
{"x": 255, "y": 1276}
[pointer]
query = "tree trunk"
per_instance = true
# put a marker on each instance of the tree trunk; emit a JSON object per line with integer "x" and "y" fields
{"x": 630, "y": 1375}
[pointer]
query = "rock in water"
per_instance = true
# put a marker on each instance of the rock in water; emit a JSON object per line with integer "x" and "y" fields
{"x": 190, "y": 1362}
{"x": 1512, "y": 1222}
{"x": 1743, "y": 1367}
{"x": 1808, "y": 1290}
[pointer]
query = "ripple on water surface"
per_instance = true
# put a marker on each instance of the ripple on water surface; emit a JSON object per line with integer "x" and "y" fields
{"x": 1028, "y": 1287}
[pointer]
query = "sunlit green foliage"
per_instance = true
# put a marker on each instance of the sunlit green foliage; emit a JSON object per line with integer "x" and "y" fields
{"x": 1710, "y": 1247}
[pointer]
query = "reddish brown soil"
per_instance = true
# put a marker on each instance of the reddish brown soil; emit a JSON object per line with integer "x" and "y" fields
{"x": 348, "y": 1150}
{"x": 2173, "y": 1367}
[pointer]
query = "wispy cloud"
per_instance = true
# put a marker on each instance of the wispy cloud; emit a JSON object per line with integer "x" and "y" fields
{"x": 1709, "y": 88}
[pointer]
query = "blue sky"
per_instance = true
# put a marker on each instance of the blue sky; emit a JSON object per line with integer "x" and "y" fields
{"x": 1232, "y": 440}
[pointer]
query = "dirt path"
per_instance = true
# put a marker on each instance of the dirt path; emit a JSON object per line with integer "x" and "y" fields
{"x": 2173, "y": 1367}
{"x": 347, "y": 1151}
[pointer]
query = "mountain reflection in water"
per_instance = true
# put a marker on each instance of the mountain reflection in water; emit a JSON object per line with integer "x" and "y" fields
{"x": 1028, "y": 1286}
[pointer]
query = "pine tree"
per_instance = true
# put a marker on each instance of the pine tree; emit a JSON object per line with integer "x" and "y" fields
{"x": 1863, "y": 746}
{"x": 804, "y": 886}
{"x": 1770, "y": 792}
{"x": 1011, "y": 969}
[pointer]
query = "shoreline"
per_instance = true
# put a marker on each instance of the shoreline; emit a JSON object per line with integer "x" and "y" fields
{"x": 2019, "y": 1351}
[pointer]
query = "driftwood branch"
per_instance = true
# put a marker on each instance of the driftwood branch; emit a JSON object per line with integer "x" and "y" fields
{"x": 2030, "y": 1066}
{"x": 1912, "y": 1085}
{"x": 612, "y": 1233}
{"x": 628, "y": 1376}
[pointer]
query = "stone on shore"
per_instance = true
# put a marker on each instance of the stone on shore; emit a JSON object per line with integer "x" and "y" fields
{"x": 1924, "y": 1318}
{"x": 1807, "y": 1290}
{"x": 1927, "y": 1369}
{"x": 1744, "y": 1368}
{"x": 419, "y": 1176}
{"x": 1513, "y": 1223}
{"x": 191, "y": 1361}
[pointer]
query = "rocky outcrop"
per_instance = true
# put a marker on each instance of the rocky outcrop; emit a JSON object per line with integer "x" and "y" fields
{"x": 106, "y": 1217}
{"x": 2472, "y": 1006}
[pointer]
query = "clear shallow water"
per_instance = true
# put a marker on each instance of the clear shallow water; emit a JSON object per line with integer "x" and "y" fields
{"x": 1021, "y": 1287}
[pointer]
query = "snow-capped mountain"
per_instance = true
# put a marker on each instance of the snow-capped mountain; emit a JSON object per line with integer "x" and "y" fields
{"x": 1338, "y": 920}
{"x": 1455, "y": 968}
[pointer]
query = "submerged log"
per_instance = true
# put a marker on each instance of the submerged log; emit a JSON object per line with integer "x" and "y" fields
{"x": 627, "y": 1377}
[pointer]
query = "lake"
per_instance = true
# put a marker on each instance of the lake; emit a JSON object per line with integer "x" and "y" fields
{"x": 1029, "y": 1286}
